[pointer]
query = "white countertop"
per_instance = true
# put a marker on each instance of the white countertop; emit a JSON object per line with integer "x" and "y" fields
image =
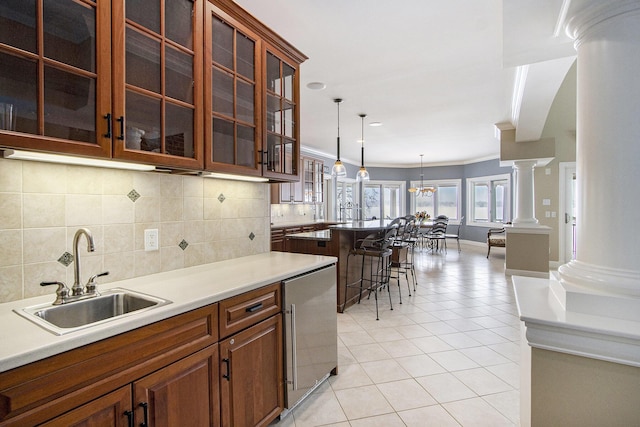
{"x": 24, "y": 342}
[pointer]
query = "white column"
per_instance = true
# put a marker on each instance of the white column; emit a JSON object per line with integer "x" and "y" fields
{"x": 607, "y": 38}
{"x": 525, "y": 213}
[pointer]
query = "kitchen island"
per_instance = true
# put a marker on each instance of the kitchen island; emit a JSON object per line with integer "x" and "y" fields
{"x": 337, "y": 242}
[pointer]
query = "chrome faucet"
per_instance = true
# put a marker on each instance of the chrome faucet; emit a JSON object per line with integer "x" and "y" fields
{"x": 77, "y": 289}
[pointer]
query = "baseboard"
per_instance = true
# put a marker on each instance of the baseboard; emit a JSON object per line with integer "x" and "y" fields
{"x": 527, "y": 273}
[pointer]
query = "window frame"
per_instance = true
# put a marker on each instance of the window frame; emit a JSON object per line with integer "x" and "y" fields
{"x": 437, "y": 184}
{"x": 489, "y": 181}
{"x": 401, "y": 185}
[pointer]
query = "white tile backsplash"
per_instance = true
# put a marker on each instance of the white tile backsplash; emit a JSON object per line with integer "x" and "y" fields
{"x": 42, "y": 205}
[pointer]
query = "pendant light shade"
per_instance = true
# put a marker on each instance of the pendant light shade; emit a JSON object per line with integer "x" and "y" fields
{"x": 363, "y": 174}
{"x": 338, "y": 169}
{"x": 422, "y": 190}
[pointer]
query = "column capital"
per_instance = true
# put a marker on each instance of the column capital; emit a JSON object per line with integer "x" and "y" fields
{"x": 586, "y": 14}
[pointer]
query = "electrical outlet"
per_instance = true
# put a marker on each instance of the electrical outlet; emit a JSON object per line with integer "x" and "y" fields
{"x": 547, "y": 214}
{"x": 151, "y": 240}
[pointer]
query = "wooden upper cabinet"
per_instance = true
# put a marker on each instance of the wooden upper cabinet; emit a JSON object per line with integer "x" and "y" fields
{"x": 282, "y": 147}
{"x": 55, "y": 76}
{"x": 157, "y": 82}
{"x": 232, "y": 95}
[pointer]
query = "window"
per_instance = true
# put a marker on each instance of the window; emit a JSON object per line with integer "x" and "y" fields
{"x": 383, "y": 200}
{"x": 445, "y": 201}
{"x": 489, "y": 200}
{"x": 346, "y": 201}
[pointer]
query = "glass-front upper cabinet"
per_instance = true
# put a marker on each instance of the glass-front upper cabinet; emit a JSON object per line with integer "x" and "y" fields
{"x": 232, "y": 88}
{"x": 158, "y": 81}
{"x": 282, "y": 118}
{"x": 55, "y": 75}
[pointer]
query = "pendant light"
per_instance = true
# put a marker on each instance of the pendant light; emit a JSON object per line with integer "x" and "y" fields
{"x": 338, "y": 169}
{"x": 422, "y": 190}
{"x": 363, "y": 174}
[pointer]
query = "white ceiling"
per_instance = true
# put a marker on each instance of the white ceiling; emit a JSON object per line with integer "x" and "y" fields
{"x": 431, "y": 71}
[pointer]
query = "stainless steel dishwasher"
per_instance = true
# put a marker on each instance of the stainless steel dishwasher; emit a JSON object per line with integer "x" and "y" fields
{"x": 311, "y": 332}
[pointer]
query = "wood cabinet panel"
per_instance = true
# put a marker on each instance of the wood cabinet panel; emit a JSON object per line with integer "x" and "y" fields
{"x": 30, "y": 394}
{"x": 247, "y": 309}
{"x": 185, "y": 393}
{"x": 252, "y": 383}
{"x": 112, "y": 410}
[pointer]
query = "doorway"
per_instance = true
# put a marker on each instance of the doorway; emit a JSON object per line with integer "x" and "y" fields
{"x": 567, "y": 217}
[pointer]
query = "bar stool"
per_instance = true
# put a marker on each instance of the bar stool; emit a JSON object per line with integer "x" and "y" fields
{"x": 376, "y": 249}
{"x": 402, "y": 261}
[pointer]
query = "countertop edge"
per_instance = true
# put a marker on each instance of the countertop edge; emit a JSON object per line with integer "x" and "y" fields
{"x": 25, "y": 342}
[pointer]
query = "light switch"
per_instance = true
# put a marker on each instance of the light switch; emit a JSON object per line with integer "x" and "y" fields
{"x": 547, "y": 214}
{"x": 547, "y": 171}
{"x": 553, "y": 214}
{"x": 151, "y": 240}
{"x": 546, "y": 202}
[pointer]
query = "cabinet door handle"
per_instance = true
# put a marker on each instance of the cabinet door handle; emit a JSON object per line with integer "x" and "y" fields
{"x": 145, "y": 414}
{"x": 228, "y": 374}
{"x": 129, "y": 415}
{"x": 254, "y": 307}
{"x": 108, "y": 117}
{"x": 121, "y": 121}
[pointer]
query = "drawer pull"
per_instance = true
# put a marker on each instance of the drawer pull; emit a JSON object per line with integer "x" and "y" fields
{"x": 129, "y": 415}
{"x": 228, "y": 374}
{"x": 254, "y": 307}
{"x": 145, "y": 414}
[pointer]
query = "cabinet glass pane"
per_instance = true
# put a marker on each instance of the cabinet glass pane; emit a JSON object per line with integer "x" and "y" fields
{"x": 222, "y": 92}
{"x": 143, "y": 61}
{"x": 70, "y": 33}
{"x": 288, "y": 154}
{"x": 179, "y": 75}
{"x": 178, "y": 21}
{"x": 143, "y": 122}
{"x": 223, "y": 151}
{"x": 273, "y": 74}
{"x": 18, "y": 24}
{"x": 245, "y": 56}
{"x": 69, "y": 106}
{"x": 274, "y": 152}
{"x": 274, "y": 118}
{"x": 288, "y": 74}
{"x": 246, "y": 146}
{"x": 222, "y": 46}
{"x": 244, "y": 108}
{"x": 289, "y": 123}
{"x": 178, "y": 131}
{"x": 145, "y": 13}
{"x": 18, "y": 94}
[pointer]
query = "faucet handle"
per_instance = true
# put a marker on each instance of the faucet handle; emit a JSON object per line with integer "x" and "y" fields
{"x": 62, "y": 293}
{"x": 91, "y": 288}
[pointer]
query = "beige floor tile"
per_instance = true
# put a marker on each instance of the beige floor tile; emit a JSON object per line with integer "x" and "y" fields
{"x": 319, "y": 409}
{"x": 361, "y": 402}
{"x": 484, "y": 356}
{"x": 406, "y": 394}
{"x": 387, "y": 420}
{"x": 482, "y": 382}
{"x": 383, "y": 371}
{"x": 431, "y": 344}
{"x": 508, "y": 403}
{"x": 400, "y": 348}
{"x": 430, "y": 416}
{"x": 476, "y": 412}
{"x": 368, "y": 352}
{"x": 445, "y": 387}
{"x": 349, "y": 376}
{"x": 420, "y": 365}
{"x": 453, "y": 360}
{"x": 508, "y": 372}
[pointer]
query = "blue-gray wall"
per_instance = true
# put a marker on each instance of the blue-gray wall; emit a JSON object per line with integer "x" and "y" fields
{"x": 472, "y": 170}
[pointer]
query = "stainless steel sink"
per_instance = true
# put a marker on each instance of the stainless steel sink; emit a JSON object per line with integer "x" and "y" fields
{"x": 72, "y": 316}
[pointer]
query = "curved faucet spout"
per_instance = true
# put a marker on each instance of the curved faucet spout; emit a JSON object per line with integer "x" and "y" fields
{"x": 77, "y": 287}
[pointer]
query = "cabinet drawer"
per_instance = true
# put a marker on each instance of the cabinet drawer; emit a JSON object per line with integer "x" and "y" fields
{"x": 245, "y": 310}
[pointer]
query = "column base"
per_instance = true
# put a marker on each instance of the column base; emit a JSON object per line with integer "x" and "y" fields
{"x": 605, "y": 280}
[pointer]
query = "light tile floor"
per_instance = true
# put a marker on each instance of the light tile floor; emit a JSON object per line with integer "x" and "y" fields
{"x": 448, "y": 356}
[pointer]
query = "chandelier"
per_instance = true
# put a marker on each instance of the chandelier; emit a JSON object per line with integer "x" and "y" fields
{"x": 422, "y": 190}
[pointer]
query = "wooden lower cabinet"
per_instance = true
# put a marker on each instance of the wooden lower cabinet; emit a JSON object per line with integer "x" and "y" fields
{"x": 182, "y": 394}
{"x": 251, "y": 384}
{"x": 107, "y": 411}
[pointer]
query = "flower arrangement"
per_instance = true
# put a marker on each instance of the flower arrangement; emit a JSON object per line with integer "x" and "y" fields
{"x": 422, "y": 215}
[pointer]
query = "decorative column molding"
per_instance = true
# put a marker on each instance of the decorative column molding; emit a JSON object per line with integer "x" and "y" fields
{"x": 607, "y": 41}
{"x": 525, "y": 213}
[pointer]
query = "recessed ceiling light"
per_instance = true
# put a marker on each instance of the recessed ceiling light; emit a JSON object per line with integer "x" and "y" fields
{"x": 374, "y": 124}
{"x": 316, "y": 85}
